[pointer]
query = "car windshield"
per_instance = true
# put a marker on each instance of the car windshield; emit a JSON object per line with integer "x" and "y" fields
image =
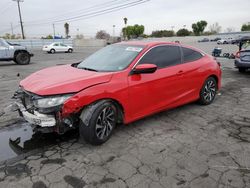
{"x": 111, "y": 58}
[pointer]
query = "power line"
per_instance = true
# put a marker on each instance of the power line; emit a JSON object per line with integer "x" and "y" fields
{"x": 6, "y": 8}
{"x": 109, "y": 3}
{"x": 96, "y": 13}
{"x": 106, "y": 12}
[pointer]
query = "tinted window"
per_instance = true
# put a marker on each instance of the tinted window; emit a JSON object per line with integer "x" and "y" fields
{"x": 56, "y": 45}
{"x": 162, "y": 56}
{"x": 190, "y": 55}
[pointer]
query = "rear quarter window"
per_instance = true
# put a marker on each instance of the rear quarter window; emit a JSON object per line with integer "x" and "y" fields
{"x": 190, "y": 55}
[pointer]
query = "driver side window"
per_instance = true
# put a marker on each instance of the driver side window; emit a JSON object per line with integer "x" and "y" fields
{"x": 162, "y": 56}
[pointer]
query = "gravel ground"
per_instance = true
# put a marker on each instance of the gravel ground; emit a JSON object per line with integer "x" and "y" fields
{"x": 190, "y": 146}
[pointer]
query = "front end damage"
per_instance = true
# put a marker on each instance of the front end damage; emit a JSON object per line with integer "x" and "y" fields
{"x": 44, "y": 113}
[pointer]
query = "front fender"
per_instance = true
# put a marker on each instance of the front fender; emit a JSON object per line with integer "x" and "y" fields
{"x": 117, "y": 91}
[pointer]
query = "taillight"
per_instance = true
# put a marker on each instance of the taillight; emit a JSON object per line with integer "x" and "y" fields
{"x": 237, "y": 55}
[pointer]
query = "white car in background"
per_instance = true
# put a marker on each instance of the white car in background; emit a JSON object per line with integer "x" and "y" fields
{"x": 225, "y": 41}
{"x": 57, "y": 47}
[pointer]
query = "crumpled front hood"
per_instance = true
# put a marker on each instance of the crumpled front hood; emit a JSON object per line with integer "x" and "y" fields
{"x": 62, "y": 79}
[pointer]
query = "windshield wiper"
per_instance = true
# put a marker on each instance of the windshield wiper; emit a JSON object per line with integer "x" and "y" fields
{"x": 89, "y": 69}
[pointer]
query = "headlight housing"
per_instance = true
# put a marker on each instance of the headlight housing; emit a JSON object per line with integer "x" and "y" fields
{"x": 49, "y": 102}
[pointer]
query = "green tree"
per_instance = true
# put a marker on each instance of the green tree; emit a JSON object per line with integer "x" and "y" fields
{"x": 7, "y": 36}
{"x": 199, "y": 27}
{"x": 162, "y": 33}
{"x": 183, "y": 32}
{"x": 133, "y": 31}
{"x": 66, "y": 27}
{"x": 245, "y": 27}
{"x": 48, "y": 37}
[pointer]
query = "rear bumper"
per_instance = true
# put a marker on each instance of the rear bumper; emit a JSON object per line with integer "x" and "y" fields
{"x": 42, "y": 120}
{"x": 240, "y": 64}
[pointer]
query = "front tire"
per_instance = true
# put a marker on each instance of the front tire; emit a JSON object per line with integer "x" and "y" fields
{"x": 22, "y": 58}
{"x": 208, "y": 91}
{"x": 70, "y": 50}
{"x": 97, "y": 122}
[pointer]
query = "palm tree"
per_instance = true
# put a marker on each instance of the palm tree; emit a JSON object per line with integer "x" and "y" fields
{"x": 125, "y": 21}
{"x": 125, "y": 28}
{"x": 66, "y": 27}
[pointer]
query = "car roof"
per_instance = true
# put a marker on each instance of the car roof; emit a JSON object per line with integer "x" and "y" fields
{"x": 149, "y": 44}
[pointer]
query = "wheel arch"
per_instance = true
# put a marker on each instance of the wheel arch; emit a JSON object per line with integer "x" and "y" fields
{"x": 215, "y": 77}
{"x": 212, "y": 76}
{"x": 117, "y": 104}
{"x": 86, "y": 112}
{"x": 19, "y": 51}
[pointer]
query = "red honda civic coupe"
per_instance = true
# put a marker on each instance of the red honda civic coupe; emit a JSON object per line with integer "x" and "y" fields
{"x": 120, "y": 83}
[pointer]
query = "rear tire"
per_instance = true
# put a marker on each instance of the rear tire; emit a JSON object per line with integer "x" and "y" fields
{"x": 52, "y": 51}
{"x": 70, "y": 50}
{"x": 97, "y": 122}
{"x": 242, "y": 70}
{"x": 208, "y": 91}
{"x": 22, "y": 58}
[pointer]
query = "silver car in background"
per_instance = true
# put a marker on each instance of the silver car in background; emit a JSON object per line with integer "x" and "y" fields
{"x": 242, "y": 58}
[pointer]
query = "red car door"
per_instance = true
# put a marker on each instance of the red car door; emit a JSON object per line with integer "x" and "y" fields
{"x": 152, "y": 92}
{"x": 193, "y": 73}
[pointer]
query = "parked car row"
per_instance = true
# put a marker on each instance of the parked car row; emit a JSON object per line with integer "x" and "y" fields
{"x": 229, "y": 41}
{"x": 221, "y": 41}
{"x": 209, "y": 40}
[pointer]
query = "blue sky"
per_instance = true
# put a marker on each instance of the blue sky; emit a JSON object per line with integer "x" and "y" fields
{"x": 154, "y": 15}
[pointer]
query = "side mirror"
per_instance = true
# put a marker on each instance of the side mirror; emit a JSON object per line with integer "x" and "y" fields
{"x": 144, "y": 69}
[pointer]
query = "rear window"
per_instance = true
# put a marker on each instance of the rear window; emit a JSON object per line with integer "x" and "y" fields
{"x": 246, "y": 46}
{"x": 190, "y": 55}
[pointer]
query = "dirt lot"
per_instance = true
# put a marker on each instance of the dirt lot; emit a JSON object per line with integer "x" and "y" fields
{"x": 191, "y": 146}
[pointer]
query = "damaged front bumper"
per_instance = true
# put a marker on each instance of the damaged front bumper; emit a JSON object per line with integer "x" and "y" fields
{"x": 43, "y": 120}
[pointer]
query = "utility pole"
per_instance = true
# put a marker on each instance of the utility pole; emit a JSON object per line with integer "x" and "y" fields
{"x": 20, "y": 16}
{"x": 54, "y": 32}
